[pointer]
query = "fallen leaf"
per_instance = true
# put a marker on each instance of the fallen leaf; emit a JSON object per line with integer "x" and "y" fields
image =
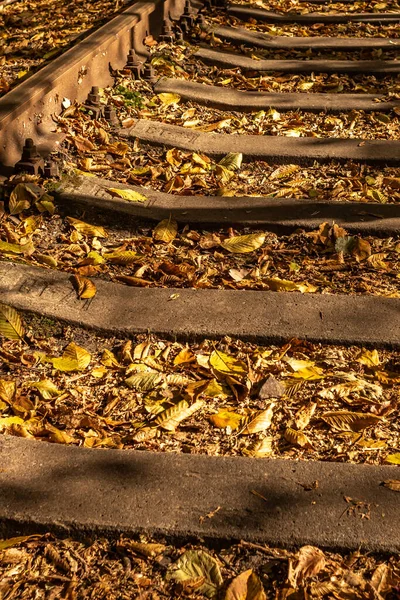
{"x": 297, "y": 438}
{"x": 10, "y": 323}
{"x": 170, "y": 418}
{"x": 232, "y": 161}
{"x": 87, "y": 229}
{"x": 260, "y": 422}
{"x": 242, "y": 244}
{"x": 392, "y": 484}
{"x": 144, "y": 382}
{"x": 309, "y": 562}
{"x": 227, "y": 365}
{"x": 168, "y": 98}
{"x": 344, "y": 420}
{"x": 369, "y": 358}
{"x": 74, "y": 358}
{"x": 165, "y": 231}
{"x": 246, "y": 586}
{"x": 393, "y": 459}
{"x": 85, "y": 288}
{"x": 129, "y": 195}
{"x": 195, "y": 564}
{"x": 21, "y": 198}
{"x": 226, "y": 418}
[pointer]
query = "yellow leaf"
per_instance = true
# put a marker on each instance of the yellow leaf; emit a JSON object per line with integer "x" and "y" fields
{"x": 260, "y": 448}
{"x": 122, "y": 258}
{"x": 46, "y": 260}
{"x": 169, "y": 419}
{"x": 246, "y": 586}
{"x": 7, "y": 390}
{"x": 393, "y": 459}
{"x": 297, "y": 438}
{"x": 304, "y": 415}
{"x": 46, "y": 388}
{"x": 10, "y": 323}
{"x": 309, "y": 373}
{"x": 10, "y": 542}
{"x": 369, "y": 358}
{"x": 21, "y": 198}
{"x": 57, "y": 436}
{"x": 74, "y": 358}
{"x": 129, "y": 195}
{"x": 7, "y": 421}
{"x": 281, "y": 285}
{"x": 144, "y": 549}
{"x": 184, "y": 356}
{"x": 343, "y": 420}
{"x": 232, "y": 161}
{"x": 215, "y": 389}
{"x": 226, "y": 364}
{"x": 87, "y": 229}
{"x": 168, "y": 98}
{"x": 144, "y": 382}
{"x": 85, "y": 288}
{"x": 242, "y": 244}
{"x": 260, "y": 422}
{"x": 11, "y": 248}
{"x": 225, "y": 418}
{"x": 165, "y": 231}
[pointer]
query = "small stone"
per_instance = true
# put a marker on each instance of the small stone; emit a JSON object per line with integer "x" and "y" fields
{"x": 271, "y": 388}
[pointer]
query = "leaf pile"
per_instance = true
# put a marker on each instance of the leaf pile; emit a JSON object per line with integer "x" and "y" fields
{"x": 328, "y": 260}
{"x": 149, "y": 569}
{"x": 299, "y": 400}
{"x": 34, "y": 31}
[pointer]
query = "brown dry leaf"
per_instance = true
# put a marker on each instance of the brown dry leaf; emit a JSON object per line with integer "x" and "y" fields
{"x": 381, "y": 579}
{"x": 297, "y": 438}
{"x": 261, "y": 448}
{"x": 226, "y": 418}
{"x": 87, "y": 229}
{"x": 304, "y": 415}
{"x": 246, "y": 586}
{"x": 343, "y": 420}
{"x": 392, "y": 484}
{"x": 166, "y": 231}
{"x": 85, "y": 288}
{"x": 309, "y": 562}
{"x": 361, "y": 249}
{"x": 149, "y": 550}
{"x": 170, "y": 418}
{"x": 260, "y": 422}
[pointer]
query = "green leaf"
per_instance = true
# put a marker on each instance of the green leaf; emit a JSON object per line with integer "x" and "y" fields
{"x": 10, "y": 323}
{"x": 195, "y": 565}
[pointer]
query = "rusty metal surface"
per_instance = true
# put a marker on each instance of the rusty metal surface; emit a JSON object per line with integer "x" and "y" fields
{"x": 26, "y": 111}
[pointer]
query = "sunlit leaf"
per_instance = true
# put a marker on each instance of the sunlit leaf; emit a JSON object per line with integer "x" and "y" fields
{"x": 297, "y": 438}
{"x": 168, "y": 98}
{"x": 195, "y": 564}
{"x": 344, "y": 420}
{"x": 304, "y": 415}
{"x": 369, "y": 358}
{"x": 74, "y": 358}
{"x": 11, "y": 326}
{"x": 126, "y": 257}
{"x": 260, "y": 448}
{"x": 149, "y": 550}
{"x": 226, "y": 418}
{"x": 242, "y": 244}
{"x": 10, "y": 542}
{"x": 226, "y": 364}
{"x": 393, "y": 459}
{"x": 184, "y": 356}
{"x": 144, "y": 382}
{"x": 309, "y": 562}
{"x": 87, "y": 229}
{"x": 85, "y": 288}
{"x": 169, "y": 419}
{"x": 130, "y": 195}
{"x": 232, "y": 161}
{"x": 260, "y": 422}
{"x": 46, "y": 388}
{"x": 165, "y": 231}
{"x": 246, "y": 586}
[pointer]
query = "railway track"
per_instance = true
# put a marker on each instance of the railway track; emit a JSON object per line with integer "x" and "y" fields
{"x": 222, "y": 185}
